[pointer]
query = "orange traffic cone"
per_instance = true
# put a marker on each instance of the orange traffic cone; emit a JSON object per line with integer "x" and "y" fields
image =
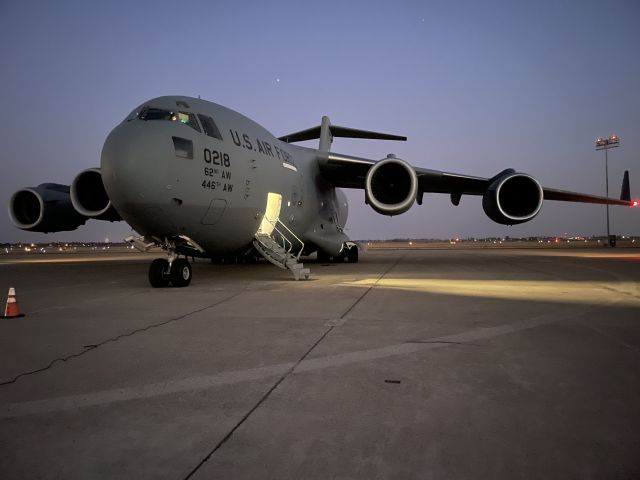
{"x": 12, "y": 310}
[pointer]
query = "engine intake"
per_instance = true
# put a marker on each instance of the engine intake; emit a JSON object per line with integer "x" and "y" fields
{"x": 90, "y": 198}
{"x": 512, "y": 198}
{"x": 45, "y": 208}
{"x": 391, "y": 186}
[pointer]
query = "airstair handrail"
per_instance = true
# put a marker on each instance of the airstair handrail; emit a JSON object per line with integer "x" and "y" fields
{"x": 284, "y": 237}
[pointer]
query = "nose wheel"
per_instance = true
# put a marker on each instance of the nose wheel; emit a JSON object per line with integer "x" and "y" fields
{"x": 177, "y": 273}
{"x": 180, "y": 272}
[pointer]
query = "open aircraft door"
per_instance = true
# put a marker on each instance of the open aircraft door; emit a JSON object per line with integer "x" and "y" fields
{"x": 271, "y": 213}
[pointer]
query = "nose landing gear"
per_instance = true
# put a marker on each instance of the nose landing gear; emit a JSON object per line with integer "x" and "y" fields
{"x": 180, "y": 272}
{"x": 159, "y": 276}
{"x": 177, "y": 273}
{"x": 172, "y": 270}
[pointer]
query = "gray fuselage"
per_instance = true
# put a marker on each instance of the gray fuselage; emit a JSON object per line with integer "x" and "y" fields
{"x": 206, "y": 171}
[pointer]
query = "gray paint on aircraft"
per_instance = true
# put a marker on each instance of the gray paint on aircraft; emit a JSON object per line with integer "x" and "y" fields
{"x": 194, "y": 177}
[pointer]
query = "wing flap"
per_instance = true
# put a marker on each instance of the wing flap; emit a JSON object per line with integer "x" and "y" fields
{"x": 434, "y": 181}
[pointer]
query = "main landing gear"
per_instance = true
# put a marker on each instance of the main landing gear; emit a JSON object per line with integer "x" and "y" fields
{"x": 349, "y": 254}
{"x": 162, "y": 273}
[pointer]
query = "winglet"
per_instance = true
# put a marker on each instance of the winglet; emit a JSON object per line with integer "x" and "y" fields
{"x": 625, "y": 193}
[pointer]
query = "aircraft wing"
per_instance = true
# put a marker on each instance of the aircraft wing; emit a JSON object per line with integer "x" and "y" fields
{"x": 564, "y": 196}
{"x": 513, "y": 193}
{"x": 351, "y": 172}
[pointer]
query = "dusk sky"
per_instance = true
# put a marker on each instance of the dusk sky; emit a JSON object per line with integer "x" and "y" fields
{"x": 475, "y": 86}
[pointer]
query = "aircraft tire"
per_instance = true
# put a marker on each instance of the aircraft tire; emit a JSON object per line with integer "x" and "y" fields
{"x": 352, "y": 255}
{"x": 180, "y": 273}
{"x": 158, "y": 273}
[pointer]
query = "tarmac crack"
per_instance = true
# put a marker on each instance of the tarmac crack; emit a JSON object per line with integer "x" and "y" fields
{"x": 291, "y": 370}
{"x": 92, "y": 347}
{"x": 374, "y": 284}
{"x": 257, "y": 405}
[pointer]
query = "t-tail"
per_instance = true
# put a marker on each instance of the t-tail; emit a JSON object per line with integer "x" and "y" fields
{"x": 326, "y": 132}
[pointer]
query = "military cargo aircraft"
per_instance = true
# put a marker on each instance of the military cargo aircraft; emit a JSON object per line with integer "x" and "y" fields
{"x": 199, "y": 179}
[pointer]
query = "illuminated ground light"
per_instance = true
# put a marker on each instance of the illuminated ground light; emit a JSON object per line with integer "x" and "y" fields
{"x": 553, "y": 291}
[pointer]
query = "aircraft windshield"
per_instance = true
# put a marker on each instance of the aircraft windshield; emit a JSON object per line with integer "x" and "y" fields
{"x": 209, "y": 126}
{"x": 152, "y": 113}
{"x": 149, "y": 113}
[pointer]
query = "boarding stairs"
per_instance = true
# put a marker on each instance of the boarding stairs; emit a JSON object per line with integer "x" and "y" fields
{"x": 278, "y": 248}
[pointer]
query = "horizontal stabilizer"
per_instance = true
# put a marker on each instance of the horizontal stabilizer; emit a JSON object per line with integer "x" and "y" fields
{"x": 336, "y": 131}
{"x": 326, "y": 132}
{"x": 355, "y": 133}
{"x": 301, "y": 136}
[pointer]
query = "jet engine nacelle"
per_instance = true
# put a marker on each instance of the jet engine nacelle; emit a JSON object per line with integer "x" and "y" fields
{"x": 512, "y": 198}
{"x": 45, "y": 208}
{"x": 90, "y": 198}
{"x": 391, "y": 186}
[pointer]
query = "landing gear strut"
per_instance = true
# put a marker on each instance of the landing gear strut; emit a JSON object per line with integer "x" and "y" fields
{"x": 172, "y": 270}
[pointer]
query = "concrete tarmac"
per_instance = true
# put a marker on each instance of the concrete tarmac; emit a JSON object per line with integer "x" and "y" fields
{"x": 429, "y": 364}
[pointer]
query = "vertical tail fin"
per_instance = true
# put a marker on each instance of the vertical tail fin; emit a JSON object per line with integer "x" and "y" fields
{"x": 326, "y": 136}
{"x": 625, "y": 193}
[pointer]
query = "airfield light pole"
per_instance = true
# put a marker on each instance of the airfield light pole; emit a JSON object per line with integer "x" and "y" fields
{"x": 605, "y": 144}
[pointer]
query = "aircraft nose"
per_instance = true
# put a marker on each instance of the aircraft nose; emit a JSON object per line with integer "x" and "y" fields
{"x": 132, "y": 166}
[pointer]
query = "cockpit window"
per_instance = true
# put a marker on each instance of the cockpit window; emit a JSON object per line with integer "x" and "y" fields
{"x": 189, "y": 119}
{"x": 151, "y": 113}
{"x": 209, "y": 126}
